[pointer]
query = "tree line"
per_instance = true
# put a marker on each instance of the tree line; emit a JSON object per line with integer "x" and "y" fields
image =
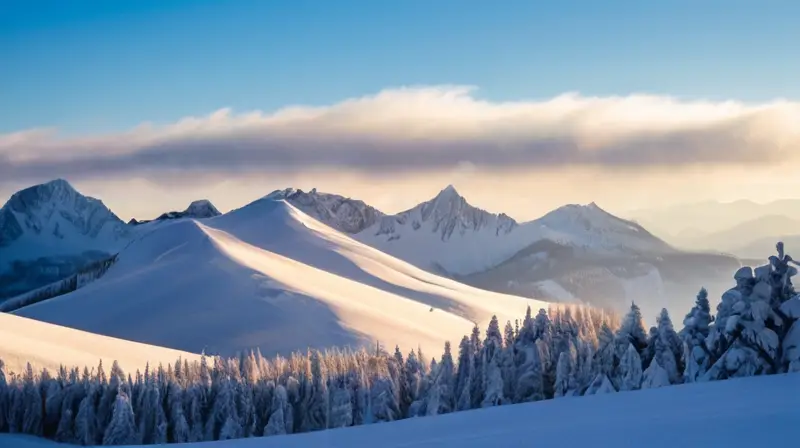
{"x": 559, "y": 352}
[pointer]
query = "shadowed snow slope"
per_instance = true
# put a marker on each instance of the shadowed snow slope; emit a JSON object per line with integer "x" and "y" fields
{"x": 742, "y": 413}
{"x": 46, "y": 345}
{"x": 269, "y": 276}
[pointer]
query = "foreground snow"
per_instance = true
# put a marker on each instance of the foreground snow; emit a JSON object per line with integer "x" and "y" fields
{"x": 746, "y": 413}
{"x": 48, "y": 346}
{"x": 269, "y": 276}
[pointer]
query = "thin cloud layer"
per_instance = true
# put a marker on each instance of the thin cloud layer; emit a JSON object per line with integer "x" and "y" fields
{"x": 426, "y": 129}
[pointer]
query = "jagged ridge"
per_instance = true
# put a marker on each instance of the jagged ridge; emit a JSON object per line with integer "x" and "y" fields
{"x": 343, "y": 214}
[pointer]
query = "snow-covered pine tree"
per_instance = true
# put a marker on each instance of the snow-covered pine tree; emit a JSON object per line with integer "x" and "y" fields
{"x": 277, "y": 423}
{"x": 606, "y": 353}
{"x": 696, "y": 327}
{"x": 463, "y": 374}
{"x": 508, "y": 360}
{"x": 383, "y": 401}
{"x": 65, "y": 433}
{"x": 315, "y": 403}
{"x": 244, "y": 405}
{"x": 668, "y": 349}
{"x": 492, "y": 379}
{"x": 630, "y": 370}
{"x": 631, "y": 331}
{"x": 194, "y": 413}
{"x": 562, "y": 386}
{"x": 32, "y": 399}
{"x": 749, "y": 334}
{"x": 178, "y": 425}
{"x": 107, "y": 402}
{"x": 121, "y": 429}
{"x": 86, "y": 431}
{"x": 53, "y": 394}
{"x": 655, "y": 376}
{"x": 494, "y": 339}
{"x": 586, "y": 368}
{"x": 528, "y": 373}
{"x": 340, "y": 405}
{"x": 440, "y": 395}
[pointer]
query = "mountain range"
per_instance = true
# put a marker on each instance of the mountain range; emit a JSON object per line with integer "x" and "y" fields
{"x": 743, "y": 228}
{"x": 574, "y": 253}
{"x": 268, "y": 275}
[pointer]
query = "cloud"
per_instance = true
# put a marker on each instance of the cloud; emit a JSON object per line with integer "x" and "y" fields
{"x": 417, "y": 129}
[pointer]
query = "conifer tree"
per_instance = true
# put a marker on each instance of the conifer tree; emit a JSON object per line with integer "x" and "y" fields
{"x": 630, "y": 370}
{"x": 121, "y": 429}
{"x": 32, "y": 402}
{"x": 696, "y": 327}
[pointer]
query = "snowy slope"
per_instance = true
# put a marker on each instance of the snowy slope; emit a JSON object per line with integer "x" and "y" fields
{"x": 268, "y": 275}
{"x": 53, "y": 219}
{"x": 742, "y": 413}
{"x": 48, "y": 346}
{"x": 448, "y": 233}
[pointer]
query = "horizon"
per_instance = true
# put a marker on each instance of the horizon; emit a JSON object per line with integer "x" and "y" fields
{"x": 430, "y": 197}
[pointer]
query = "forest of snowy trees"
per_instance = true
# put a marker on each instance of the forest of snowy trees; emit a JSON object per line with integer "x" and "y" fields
{"x": 560, "y": 352}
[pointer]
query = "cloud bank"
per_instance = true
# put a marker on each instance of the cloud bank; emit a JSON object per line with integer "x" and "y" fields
{"x": 422, "y": 129}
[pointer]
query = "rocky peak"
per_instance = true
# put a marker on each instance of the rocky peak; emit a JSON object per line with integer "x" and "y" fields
{"x": 199, "y": 209}
{"x": 446, "y": 213}
{"x": 343, "y": 214}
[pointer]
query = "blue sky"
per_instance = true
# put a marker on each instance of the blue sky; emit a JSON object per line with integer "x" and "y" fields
{"x": 99, "y": 66}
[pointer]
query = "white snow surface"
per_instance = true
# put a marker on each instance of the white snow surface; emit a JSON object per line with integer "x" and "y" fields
{"x": 448, "y": 233}
{"x": 267, "y": 275}
{"x": 741, "y": 413}
{"x": 53, "y": 219}
{"x": 48, "y": 346}
{"x": 553, "y": 289}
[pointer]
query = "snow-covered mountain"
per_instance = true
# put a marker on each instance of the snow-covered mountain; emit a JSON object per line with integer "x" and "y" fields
{"x": 270, "y": 276}
{"x": 48, "y": 231}
{"x": 573, "y": 253}
{"x": 448, "y": 234}
{"x": 739, "y": 238}
{"x": 199, "y": 209}
{"x": 341, "y": 213}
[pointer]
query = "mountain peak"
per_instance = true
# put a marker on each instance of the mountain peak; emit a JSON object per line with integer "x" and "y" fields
{"x": 449, "y": 190}
{"x": 342, "y": 213}
{"x": 199, "y": 209}
{"x": 600, "y": 227}
{"x": 57, "y": 216}
{"x": 447, "y": 213}
{"x": 59, "y": 183}
{"x": 202, "y": 208}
